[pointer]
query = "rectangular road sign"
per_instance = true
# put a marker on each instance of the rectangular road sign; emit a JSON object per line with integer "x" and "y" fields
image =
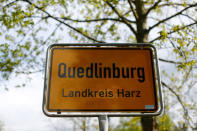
{"x": 101, "y": 79}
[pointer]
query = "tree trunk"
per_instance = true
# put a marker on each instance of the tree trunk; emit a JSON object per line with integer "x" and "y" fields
{"x": 148, "y": 123}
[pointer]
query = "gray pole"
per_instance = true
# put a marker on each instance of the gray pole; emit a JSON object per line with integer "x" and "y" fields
{"x": 103, "y": 123}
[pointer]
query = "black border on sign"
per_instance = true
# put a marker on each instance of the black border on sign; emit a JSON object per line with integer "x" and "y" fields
{"x": 102, "y": 110}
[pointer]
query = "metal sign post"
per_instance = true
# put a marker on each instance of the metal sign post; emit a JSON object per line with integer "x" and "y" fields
{"x": 103, "y": 123}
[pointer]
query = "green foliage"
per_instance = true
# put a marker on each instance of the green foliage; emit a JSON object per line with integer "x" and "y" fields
{"x": 21, "y": 43}
{"x": 165, "y": 123}
{"x": 8, "y": 59}
{"x": 132, "y": 124}
{"x": 163, "y": 34}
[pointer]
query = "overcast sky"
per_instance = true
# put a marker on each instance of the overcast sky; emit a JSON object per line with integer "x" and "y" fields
{"x": 21, "y": 108}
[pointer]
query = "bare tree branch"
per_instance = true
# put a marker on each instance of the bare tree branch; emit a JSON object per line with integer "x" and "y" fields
{"x": 125, "y": 21}
{"x": 153, "y": 7}
{"x": 172, "y": 4}
{"x": 177, "y": 96}
{"x": 189, "y": 17}
{"x": 181, "y": 52}
{"x": 29, "y": 30}
{"x": 170, "y": 61}
{"x": 186, "y": 77}
{"x": 71, "y": 27}
{"x": 132, "y": 9}
{"x": 83, "y": 21}
{"x": 10, "y": 4}
{"x": 128, "y": 13}
{"x": 186, "y": 114}
{"x": 175, "y": 62}
{"x": 52, "y": 33}
{"x": 172, "y": 16}
{"x": 29, "y": 72}
{"x": 171, "y": 32}
{"x": 157, "y": 19}
{"x": 101, "y": 19}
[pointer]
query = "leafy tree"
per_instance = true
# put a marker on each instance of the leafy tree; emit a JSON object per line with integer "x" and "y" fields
{"x": 165, "y": 124}
{"x": 27, "y": 27}
{"x": 80, "y": 123}
{"x": 129, "y": 125}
